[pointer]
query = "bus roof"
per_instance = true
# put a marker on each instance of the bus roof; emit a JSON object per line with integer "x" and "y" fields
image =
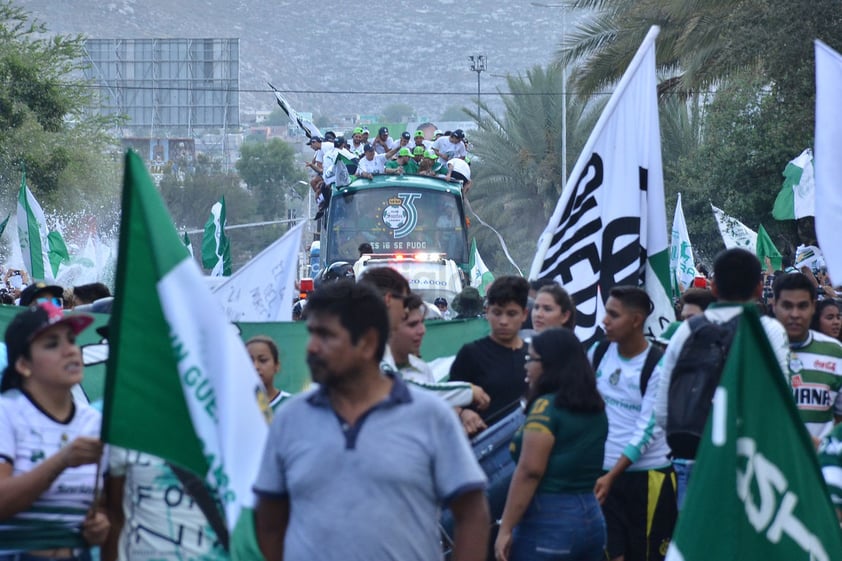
{"x": 406, "y": 180}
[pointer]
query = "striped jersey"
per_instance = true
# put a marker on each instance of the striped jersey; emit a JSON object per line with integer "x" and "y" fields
{"x": 815, "y": 376}
{"x": 28, "y": 436}
{"x": 419, "y": 374}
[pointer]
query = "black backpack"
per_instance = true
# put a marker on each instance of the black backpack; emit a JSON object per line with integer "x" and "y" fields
{"x": 652, "y": 358}
{"x": 694, "y": 380}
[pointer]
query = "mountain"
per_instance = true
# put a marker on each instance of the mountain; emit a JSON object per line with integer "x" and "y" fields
{"x": 353, "y": 57}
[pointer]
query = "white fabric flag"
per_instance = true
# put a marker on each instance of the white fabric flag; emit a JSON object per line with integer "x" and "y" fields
{"x": 263, "y": 288}
{"x": 682, "y": 265}
{"x": 609, "y": 226}
{"x": 32, "y": 233}
{"x": 827, "y": 160}
{"x": 735, "y": 233}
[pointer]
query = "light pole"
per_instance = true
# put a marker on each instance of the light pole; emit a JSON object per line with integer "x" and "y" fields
{"x": 478, "y": 65}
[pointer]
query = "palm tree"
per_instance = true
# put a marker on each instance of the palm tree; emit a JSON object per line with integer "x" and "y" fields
{"x": 519, "y": 174}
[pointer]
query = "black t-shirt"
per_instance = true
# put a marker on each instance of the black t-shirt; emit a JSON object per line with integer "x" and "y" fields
{"x": 496, "y": 369}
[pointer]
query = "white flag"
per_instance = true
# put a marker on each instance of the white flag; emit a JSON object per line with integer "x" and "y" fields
{"x": 682, "y": 265}
{"x": 827, "y": 160}
{"x": 735, "y": 233}
{"x": 32, "y": 233}
{"x": 609, "y": 226}
{"x": 263, "y": 289}
{"x": 481, "y": 277}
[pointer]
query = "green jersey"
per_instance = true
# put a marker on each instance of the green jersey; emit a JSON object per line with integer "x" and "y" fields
{"x": 815, "y": 376}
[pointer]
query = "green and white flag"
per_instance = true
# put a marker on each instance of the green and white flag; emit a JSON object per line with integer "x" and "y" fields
{"x": 32, "y": 233}
{"x": 609, "y": 226}
{"x": 481, "y": 277}
{"x": 216, "y": 251}
{"x": 797, "y": 197}
{"x": 187, "y": 244}
{"x": 769, "y": 502}
{"x": 766, "y": 248}
{"x": 682, "y": 265}
{"x": 179, "y": 382}
{"x": 735, "y": 233}
{"x": 4, "y": 224}
{"x": 57, "y": 251}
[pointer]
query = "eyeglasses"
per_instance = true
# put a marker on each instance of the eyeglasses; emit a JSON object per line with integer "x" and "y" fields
{"x": 530, "y": 358}
{"x": 57, "y": 302}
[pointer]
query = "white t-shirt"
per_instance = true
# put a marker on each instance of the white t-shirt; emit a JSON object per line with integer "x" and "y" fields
{"x": 390, "y": 144}
{"x": 460, "y": 166}
{"x": 162, "y": 523}
{"x": 29, "y": 436}
{"x": 444, "y": 146}
{"x": 374, "y": 166}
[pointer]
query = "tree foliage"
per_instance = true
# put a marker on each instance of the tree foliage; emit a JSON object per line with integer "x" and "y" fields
{"x": 269, "y": 171}
{"x": 70, "y": 159}
{"x": 397, "y": 113}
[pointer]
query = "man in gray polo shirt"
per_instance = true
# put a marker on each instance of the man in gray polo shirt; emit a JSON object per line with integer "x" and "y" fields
{"x": 359, "y": 468}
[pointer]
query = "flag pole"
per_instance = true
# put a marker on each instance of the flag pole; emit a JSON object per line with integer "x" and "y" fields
{"x": 579, "y": 168}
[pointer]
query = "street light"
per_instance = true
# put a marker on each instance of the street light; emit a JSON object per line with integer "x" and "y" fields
{"x": 478, "y": 65}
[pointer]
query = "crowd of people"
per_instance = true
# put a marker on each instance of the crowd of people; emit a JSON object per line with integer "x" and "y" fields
{"x": 337, "y": 160}
{"x": 360, "y": 466}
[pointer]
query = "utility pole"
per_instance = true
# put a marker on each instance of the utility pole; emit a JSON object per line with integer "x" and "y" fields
{"x": 478, "y": 65}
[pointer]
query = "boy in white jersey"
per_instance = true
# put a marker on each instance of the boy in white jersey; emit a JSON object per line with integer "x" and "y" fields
{"x": 815, "y": 360}
{"x": 637, "y": 491}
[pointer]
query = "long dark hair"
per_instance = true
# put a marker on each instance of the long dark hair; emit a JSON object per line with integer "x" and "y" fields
{"x": 563, "y": 301}
{"x": 820, "y": 306}
{"x": 566, "y": 372}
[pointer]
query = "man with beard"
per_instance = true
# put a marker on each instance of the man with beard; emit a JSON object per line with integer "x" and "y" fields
{"x": 358, "y": 468}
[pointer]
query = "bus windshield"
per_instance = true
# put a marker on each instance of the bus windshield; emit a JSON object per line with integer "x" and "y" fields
{"x": 396, "y": 220}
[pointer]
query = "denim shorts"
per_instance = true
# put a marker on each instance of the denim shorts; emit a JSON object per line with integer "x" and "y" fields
{"x": 560, "y": 527}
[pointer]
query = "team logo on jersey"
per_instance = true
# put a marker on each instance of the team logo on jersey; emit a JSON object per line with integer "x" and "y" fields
{"x": 795, "y": 364}
{"x": 614, "y": 378}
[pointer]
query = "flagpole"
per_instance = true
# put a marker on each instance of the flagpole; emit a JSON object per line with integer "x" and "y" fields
{"x": 579, "y": 168}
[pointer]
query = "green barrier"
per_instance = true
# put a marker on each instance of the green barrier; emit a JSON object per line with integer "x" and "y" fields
{"x": 443, "y": 338}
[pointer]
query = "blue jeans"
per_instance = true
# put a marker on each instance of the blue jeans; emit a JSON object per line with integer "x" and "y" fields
{"x": 560, "y": 528}
{"x": 683, "y": 469}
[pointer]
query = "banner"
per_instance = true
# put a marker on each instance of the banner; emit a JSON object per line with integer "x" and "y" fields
{"x": 682, "y": 265}
{"x": 756, "y": 492}
{"x": 735, "y": 233}
{"x": 179, "y": 382}
{"x": 828, "y": 158}
{"x": 797, "y": 197}
{"x": 263, "y": 289}
{"x": 609, "y": 226}
{"x": 32, "y": 233}
{"x": 481, "y": 277}
{"x": 216, "y": 251}
{"x": 308, "y": 127}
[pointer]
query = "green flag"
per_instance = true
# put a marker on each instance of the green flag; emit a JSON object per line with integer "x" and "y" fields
{"x": 4, "y": 223}
{"x": 481, "y": 277}
{"x": 32, "y": 233}
{"x": 756, "y": 492}
{"x": 179, "y": 382}
{"x": 796, "y": 198}
{"x": 58, "y": 253}
{"x": 216, "y": 251}
{"x": 765, "y": 248}
{"x": 187, "y": 244}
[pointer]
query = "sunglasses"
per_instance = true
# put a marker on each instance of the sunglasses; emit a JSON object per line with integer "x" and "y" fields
{"x": 57, "y": 302}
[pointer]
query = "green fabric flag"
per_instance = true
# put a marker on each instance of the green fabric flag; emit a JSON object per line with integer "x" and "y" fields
{"x": 765, "y": 248}
{"x": 756, "y": 492}
{"x": 58, "y": 253}
{"x": 481, "y": 277}
{"x": 187, "y": 244}
{"x": 179, "y": 383}
{"x": 4, "y": 224}
{"x": 216, "y": 251}
{"x": 796, "y": 198}
{"x": 32, "y": 233}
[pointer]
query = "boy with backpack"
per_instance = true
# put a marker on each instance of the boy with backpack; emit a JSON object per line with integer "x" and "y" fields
{"x": 637, "y": 491}
{"x": 692, "y": 364}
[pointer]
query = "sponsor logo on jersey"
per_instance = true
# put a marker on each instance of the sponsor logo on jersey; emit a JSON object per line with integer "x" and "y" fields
{"x": 812, "y": 397}
{"x": 828, "y": 366}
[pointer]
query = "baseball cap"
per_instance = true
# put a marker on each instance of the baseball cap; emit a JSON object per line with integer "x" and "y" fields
{"x": 458, "y": 133}
{"x": 438, "y": 132}
{"x": 419, "y": 133}
{"x": 313, "y": 140}
{"x": 383, "y": 130}
{"x": 431, "y": 155}
{"x": 36, "y": 288}
{"x": 30, "y": 323}
{"x": 405, "y": 134}
{"x": 418, "y": 151}
{"x": 440, "y": 301}
{"x": 330, "y": 135}
{"x": 358, "y": 130}
{"x": 404, "y": 152}
{"x": 368, "y": 147}
{"x": 365, "y": 130}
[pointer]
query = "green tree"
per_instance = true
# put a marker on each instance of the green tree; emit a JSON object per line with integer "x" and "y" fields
{"x": 455, "y": 113}
{"x": 518, "y": 172}
{"x": 270, "y": 172}
{"x": 70, "y": 159}
{"x": 397, "y": 113}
